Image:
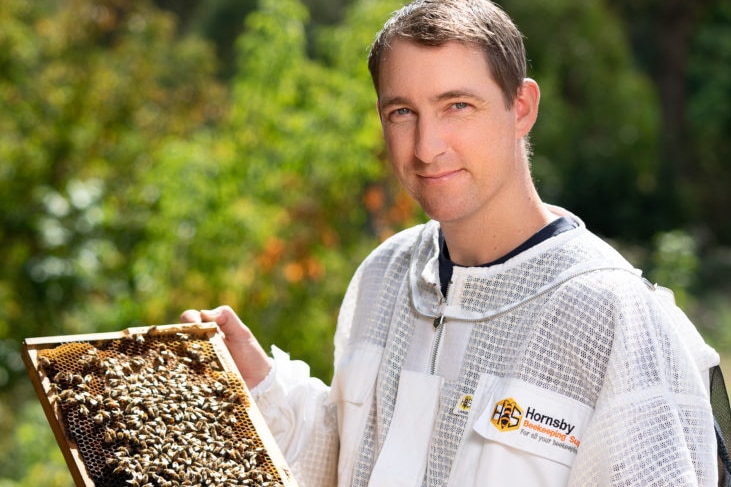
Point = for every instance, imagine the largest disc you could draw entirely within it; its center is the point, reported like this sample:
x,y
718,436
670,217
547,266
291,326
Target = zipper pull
x,y
438,321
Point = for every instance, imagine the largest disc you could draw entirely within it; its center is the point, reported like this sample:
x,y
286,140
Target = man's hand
x,y
250,357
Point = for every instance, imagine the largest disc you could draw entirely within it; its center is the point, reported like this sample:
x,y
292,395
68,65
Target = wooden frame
x,y
208,331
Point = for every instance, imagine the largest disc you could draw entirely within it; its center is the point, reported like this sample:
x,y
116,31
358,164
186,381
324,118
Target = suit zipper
x,y
436,344
438,334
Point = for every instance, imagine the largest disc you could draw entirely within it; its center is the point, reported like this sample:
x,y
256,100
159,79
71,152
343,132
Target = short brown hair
x,y
478,22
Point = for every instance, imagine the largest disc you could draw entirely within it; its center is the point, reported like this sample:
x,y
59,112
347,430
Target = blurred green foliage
x,y
158,156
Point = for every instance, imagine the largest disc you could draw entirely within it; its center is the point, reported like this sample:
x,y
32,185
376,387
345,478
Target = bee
x,y
138,362
44,361
233,397
62,377
65,394
109,435
171,473
90,359
101,417
111,403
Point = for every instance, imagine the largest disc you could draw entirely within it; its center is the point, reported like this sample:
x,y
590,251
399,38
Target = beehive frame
x,y
112,398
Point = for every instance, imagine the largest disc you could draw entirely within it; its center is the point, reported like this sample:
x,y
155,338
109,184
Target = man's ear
x,y
526,106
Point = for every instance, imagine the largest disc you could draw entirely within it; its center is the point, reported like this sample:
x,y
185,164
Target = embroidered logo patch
x,y
463,404
529,418
507,415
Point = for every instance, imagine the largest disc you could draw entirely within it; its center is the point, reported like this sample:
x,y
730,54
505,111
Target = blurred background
x,y
172,154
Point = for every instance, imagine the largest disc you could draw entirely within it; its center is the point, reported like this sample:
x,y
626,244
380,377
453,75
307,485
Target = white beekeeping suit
x,y
560,366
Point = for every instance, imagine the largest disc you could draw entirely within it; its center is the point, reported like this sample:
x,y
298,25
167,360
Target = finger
x,y
190,316
214,316
221,315
228,322
226,316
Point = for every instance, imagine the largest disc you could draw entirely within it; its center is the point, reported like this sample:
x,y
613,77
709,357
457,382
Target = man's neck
x,y
488,237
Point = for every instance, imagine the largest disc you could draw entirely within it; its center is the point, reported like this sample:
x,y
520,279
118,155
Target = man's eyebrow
x,y
447,95
457,94
394,100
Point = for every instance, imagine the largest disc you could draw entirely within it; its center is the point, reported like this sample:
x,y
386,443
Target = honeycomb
x,y
156,410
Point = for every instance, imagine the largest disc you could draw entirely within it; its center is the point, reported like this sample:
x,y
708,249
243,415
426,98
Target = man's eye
x,y
399,114
460,105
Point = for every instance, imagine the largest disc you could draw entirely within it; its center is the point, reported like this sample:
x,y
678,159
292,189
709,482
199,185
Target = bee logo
x,y
507,415
464,404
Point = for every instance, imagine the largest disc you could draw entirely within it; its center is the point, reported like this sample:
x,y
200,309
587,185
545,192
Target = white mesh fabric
x,y
651,422
302,420
377,318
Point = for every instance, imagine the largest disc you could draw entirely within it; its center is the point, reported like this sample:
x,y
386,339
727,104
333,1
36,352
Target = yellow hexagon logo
x,y
507,415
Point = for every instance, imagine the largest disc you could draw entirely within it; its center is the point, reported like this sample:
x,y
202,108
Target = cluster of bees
x,y
156,412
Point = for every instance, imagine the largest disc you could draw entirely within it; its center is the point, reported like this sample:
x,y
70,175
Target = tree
x,y
88,90
683,46
709,121
596,139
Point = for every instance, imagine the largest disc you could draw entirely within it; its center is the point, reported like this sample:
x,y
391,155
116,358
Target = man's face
x,y
453,144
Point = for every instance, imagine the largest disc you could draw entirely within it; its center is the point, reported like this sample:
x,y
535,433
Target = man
x,y
501,343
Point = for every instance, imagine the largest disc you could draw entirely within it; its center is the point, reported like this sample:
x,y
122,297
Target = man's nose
x,y
430,140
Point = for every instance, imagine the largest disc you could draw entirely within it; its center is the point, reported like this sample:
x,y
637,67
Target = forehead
x,y
407,65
